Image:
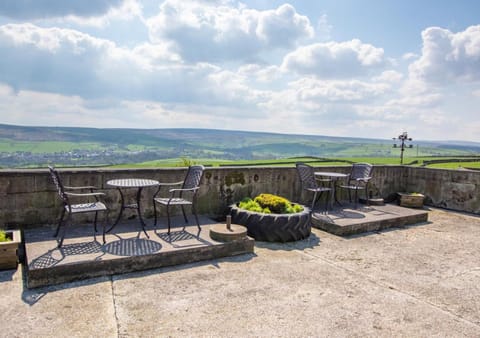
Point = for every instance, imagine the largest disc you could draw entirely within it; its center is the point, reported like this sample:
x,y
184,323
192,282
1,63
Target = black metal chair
x,y
88,206
306,174
186,195
358,179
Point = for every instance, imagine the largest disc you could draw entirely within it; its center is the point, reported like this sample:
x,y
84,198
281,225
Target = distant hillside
x,y
25,146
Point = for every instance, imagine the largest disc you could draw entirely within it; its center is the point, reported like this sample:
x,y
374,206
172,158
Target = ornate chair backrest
x,y
58,184
307,176
361,170
193,177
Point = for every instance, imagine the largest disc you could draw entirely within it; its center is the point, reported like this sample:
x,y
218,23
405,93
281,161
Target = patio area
x,y
127,249
418,280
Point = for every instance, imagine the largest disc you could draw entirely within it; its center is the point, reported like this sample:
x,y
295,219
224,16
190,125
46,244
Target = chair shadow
x,y
358,213
7,275
182,235
55,256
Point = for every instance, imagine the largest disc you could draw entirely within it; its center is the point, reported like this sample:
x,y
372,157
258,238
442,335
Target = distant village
x,y
85,157
22,159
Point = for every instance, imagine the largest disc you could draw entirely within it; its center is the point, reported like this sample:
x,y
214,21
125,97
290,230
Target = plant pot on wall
x,y
411,200
9,250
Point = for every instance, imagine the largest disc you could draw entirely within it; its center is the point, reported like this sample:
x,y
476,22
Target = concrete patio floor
x,y
417,281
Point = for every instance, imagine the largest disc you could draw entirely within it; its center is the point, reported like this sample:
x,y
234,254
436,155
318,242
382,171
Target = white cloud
x,y
210,31
43,9
51,59
125,11
335,59
324,29
448,56
222,64
73,63
67,110
390,76
409,56
337,91
269,78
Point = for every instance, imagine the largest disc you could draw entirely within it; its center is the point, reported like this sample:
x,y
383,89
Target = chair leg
x,y
168,217
314,199
350,195
95,221
103,234
366,194
319,197
155,213
327,200
67,221
194,211
184,214
356,198
60,222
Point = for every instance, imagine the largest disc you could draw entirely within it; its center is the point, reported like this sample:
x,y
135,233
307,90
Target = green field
x,y
456,165
33,147
289,162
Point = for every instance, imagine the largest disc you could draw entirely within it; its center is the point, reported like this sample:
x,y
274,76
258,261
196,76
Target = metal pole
x,y
401,151
403,138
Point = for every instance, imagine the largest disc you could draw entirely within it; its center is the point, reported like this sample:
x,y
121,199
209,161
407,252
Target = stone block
x,y
21,184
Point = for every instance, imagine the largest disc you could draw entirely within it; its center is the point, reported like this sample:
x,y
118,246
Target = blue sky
x,y
340,68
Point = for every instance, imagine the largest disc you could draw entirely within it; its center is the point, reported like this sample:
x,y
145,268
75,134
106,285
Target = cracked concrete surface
x,y
417,281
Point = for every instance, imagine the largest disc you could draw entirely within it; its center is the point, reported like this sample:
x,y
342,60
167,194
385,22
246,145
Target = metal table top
x,y
330,174
132,183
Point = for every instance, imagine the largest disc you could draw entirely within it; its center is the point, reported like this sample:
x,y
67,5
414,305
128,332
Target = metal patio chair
x,y
90,204
186,195
358,179
306,174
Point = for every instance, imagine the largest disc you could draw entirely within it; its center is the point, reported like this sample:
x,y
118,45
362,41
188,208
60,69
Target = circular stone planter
x,y
273,227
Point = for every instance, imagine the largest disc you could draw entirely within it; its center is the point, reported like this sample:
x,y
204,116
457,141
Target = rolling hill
x,y
36,146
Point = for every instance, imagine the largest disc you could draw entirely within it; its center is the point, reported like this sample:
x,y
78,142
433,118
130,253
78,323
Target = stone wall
x,y
28,197
450,189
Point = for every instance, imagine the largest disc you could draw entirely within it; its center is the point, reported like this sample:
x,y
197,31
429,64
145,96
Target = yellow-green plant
x,y
268,203
3,236
185,162
251,205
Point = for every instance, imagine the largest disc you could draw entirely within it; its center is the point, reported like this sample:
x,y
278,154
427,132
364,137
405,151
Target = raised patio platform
x,y
346,220
127,249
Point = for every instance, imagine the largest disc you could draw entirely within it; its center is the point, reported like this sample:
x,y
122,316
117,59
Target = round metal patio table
x,y
334,177
137,183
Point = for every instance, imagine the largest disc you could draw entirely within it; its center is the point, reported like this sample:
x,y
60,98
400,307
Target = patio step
x,y
346,220
127,249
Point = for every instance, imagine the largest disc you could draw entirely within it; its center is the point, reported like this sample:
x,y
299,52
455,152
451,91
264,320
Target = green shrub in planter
x,y
268,204
4,237
272,218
